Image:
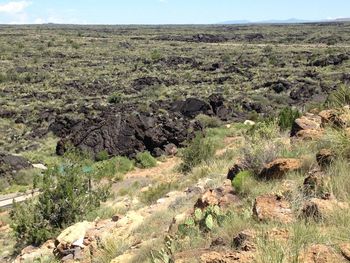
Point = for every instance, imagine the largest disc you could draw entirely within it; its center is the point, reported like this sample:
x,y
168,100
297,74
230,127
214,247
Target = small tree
x,y
66,196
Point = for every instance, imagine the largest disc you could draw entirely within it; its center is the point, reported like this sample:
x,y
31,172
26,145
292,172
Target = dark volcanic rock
x,y
191,107
127,134
330,60
144,82
10,163
63,125
279,85
141,83
303,93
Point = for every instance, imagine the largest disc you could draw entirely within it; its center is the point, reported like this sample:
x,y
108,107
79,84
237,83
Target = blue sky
x,y
166,11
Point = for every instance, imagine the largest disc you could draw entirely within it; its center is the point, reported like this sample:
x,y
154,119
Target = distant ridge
x,y
286,21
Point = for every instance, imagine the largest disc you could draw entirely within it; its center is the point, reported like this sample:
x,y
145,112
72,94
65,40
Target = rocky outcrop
x,y
309,122
273,208
127,134
325,157
279,167
10,164
191,107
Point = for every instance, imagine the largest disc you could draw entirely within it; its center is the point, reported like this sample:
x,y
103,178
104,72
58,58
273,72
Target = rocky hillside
x,y
265,193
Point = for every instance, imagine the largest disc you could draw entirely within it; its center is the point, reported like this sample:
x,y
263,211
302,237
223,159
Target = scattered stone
x,y
314,182
309,135
244,241
217,242
325,157
227,257
249,122
273,208
234,170
222,196
116,218
334,117
307,122
317,208
31,253
170,149
39,166
279,167
319,253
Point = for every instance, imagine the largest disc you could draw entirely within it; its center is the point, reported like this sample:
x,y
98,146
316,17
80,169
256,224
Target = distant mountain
x,y
287,21
343,19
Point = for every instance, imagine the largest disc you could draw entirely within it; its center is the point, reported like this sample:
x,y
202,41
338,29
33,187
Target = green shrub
x,y
287,117
208,121
124,164
240,180
66,197
156,192
146,160
102,156
199,150
264,130
339,97
156,55
115,98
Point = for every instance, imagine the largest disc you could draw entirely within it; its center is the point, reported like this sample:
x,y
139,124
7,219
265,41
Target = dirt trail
x,y
163,168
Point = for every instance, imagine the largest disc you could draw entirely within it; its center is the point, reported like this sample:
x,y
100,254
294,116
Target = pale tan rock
x,y
279,167
319,254
318,208
273,208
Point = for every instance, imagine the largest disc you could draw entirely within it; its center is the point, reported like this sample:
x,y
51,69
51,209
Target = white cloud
x,y
14,7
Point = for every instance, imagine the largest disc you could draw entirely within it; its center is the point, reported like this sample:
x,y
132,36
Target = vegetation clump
x,y
199,150
66,196
146,160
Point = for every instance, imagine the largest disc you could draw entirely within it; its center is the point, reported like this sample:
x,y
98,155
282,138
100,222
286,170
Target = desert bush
x,y
338,140
287,117
66,197
208,121
256,155
156,55
156,192
199,150
241,179
264,130
115,98
146,160
102,156
339,97
115,167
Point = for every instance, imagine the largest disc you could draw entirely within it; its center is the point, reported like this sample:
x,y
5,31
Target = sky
x,y
166,11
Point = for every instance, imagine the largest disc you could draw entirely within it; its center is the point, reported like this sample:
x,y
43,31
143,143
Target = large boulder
x,y
273,208
192,107
128,134
320,208
308,122
279,167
